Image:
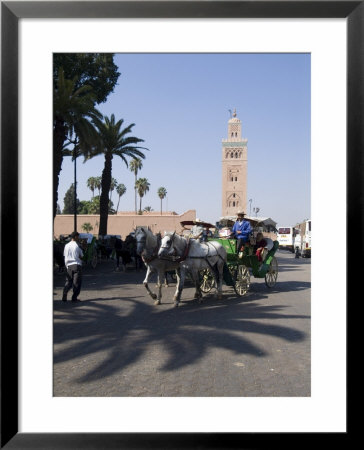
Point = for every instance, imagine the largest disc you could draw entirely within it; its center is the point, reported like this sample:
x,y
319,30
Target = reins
x,y
186,251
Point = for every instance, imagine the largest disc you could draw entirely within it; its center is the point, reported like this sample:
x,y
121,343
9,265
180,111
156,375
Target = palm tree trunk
x,y
104,199
75,195
59,134
135,189
161,206
117,208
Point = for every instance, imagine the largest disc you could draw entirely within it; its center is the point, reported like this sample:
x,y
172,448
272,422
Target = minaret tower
x,y
234,169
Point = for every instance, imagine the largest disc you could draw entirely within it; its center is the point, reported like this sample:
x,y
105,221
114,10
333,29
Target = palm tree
x,y
115,142
120,190
87,227
98,184
91,184
73,113
148,209
135,165
142,186
113,185
162,192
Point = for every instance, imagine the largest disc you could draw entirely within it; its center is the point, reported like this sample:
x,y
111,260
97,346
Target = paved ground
x,y
117,343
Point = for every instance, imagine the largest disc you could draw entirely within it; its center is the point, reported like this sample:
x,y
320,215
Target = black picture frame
x,y
11,12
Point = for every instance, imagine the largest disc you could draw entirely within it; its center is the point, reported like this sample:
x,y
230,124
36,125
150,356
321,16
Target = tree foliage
x,y
120,190
80,81
113,185
91,184
87,227
135,165
93,206
142,186
98,184
96,70
69,201
162,192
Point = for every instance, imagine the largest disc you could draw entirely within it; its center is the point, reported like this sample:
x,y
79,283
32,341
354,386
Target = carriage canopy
x,y
192,222
262,223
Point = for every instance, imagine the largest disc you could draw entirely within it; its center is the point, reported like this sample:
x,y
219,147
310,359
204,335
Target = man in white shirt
x,y
73,260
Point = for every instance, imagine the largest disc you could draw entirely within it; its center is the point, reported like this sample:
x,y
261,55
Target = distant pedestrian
x,y
73,255
297,252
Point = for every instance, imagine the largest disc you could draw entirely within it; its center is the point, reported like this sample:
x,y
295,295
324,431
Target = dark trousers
x,y
73,280
240,243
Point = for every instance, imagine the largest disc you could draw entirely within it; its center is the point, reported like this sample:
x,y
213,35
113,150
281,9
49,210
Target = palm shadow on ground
x,y
186,333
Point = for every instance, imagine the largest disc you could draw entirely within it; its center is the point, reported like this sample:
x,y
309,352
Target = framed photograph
x,y
333,33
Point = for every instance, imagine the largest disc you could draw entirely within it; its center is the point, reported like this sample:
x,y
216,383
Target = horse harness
x,y
184,256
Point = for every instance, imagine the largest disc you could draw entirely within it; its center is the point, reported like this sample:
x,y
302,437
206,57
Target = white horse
x,y
147,247
194,256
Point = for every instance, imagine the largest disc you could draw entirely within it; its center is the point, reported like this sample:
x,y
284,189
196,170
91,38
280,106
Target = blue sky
x,y
180,106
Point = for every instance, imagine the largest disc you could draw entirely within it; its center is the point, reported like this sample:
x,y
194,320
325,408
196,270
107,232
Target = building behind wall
x,y
234,169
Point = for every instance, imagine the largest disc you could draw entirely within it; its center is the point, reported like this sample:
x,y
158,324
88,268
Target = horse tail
x,y
222,254
217,273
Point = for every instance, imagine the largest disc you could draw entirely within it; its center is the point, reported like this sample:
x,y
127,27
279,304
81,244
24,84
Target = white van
x,y
286,238
303,239
306,244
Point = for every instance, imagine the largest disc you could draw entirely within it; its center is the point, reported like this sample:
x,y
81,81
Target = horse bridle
x,y
170,244
143,241
174,254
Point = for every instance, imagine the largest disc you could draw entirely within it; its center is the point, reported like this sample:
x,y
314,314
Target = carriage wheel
x,y
272,274
94,259
207,282
242,280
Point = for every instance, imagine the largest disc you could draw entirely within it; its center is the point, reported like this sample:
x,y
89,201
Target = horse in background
x,y
194,256
147,246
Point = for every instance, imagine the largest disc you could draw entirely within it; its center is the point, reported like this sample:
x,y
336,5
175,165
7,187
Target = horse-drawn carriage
x,y
236,271
206,263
